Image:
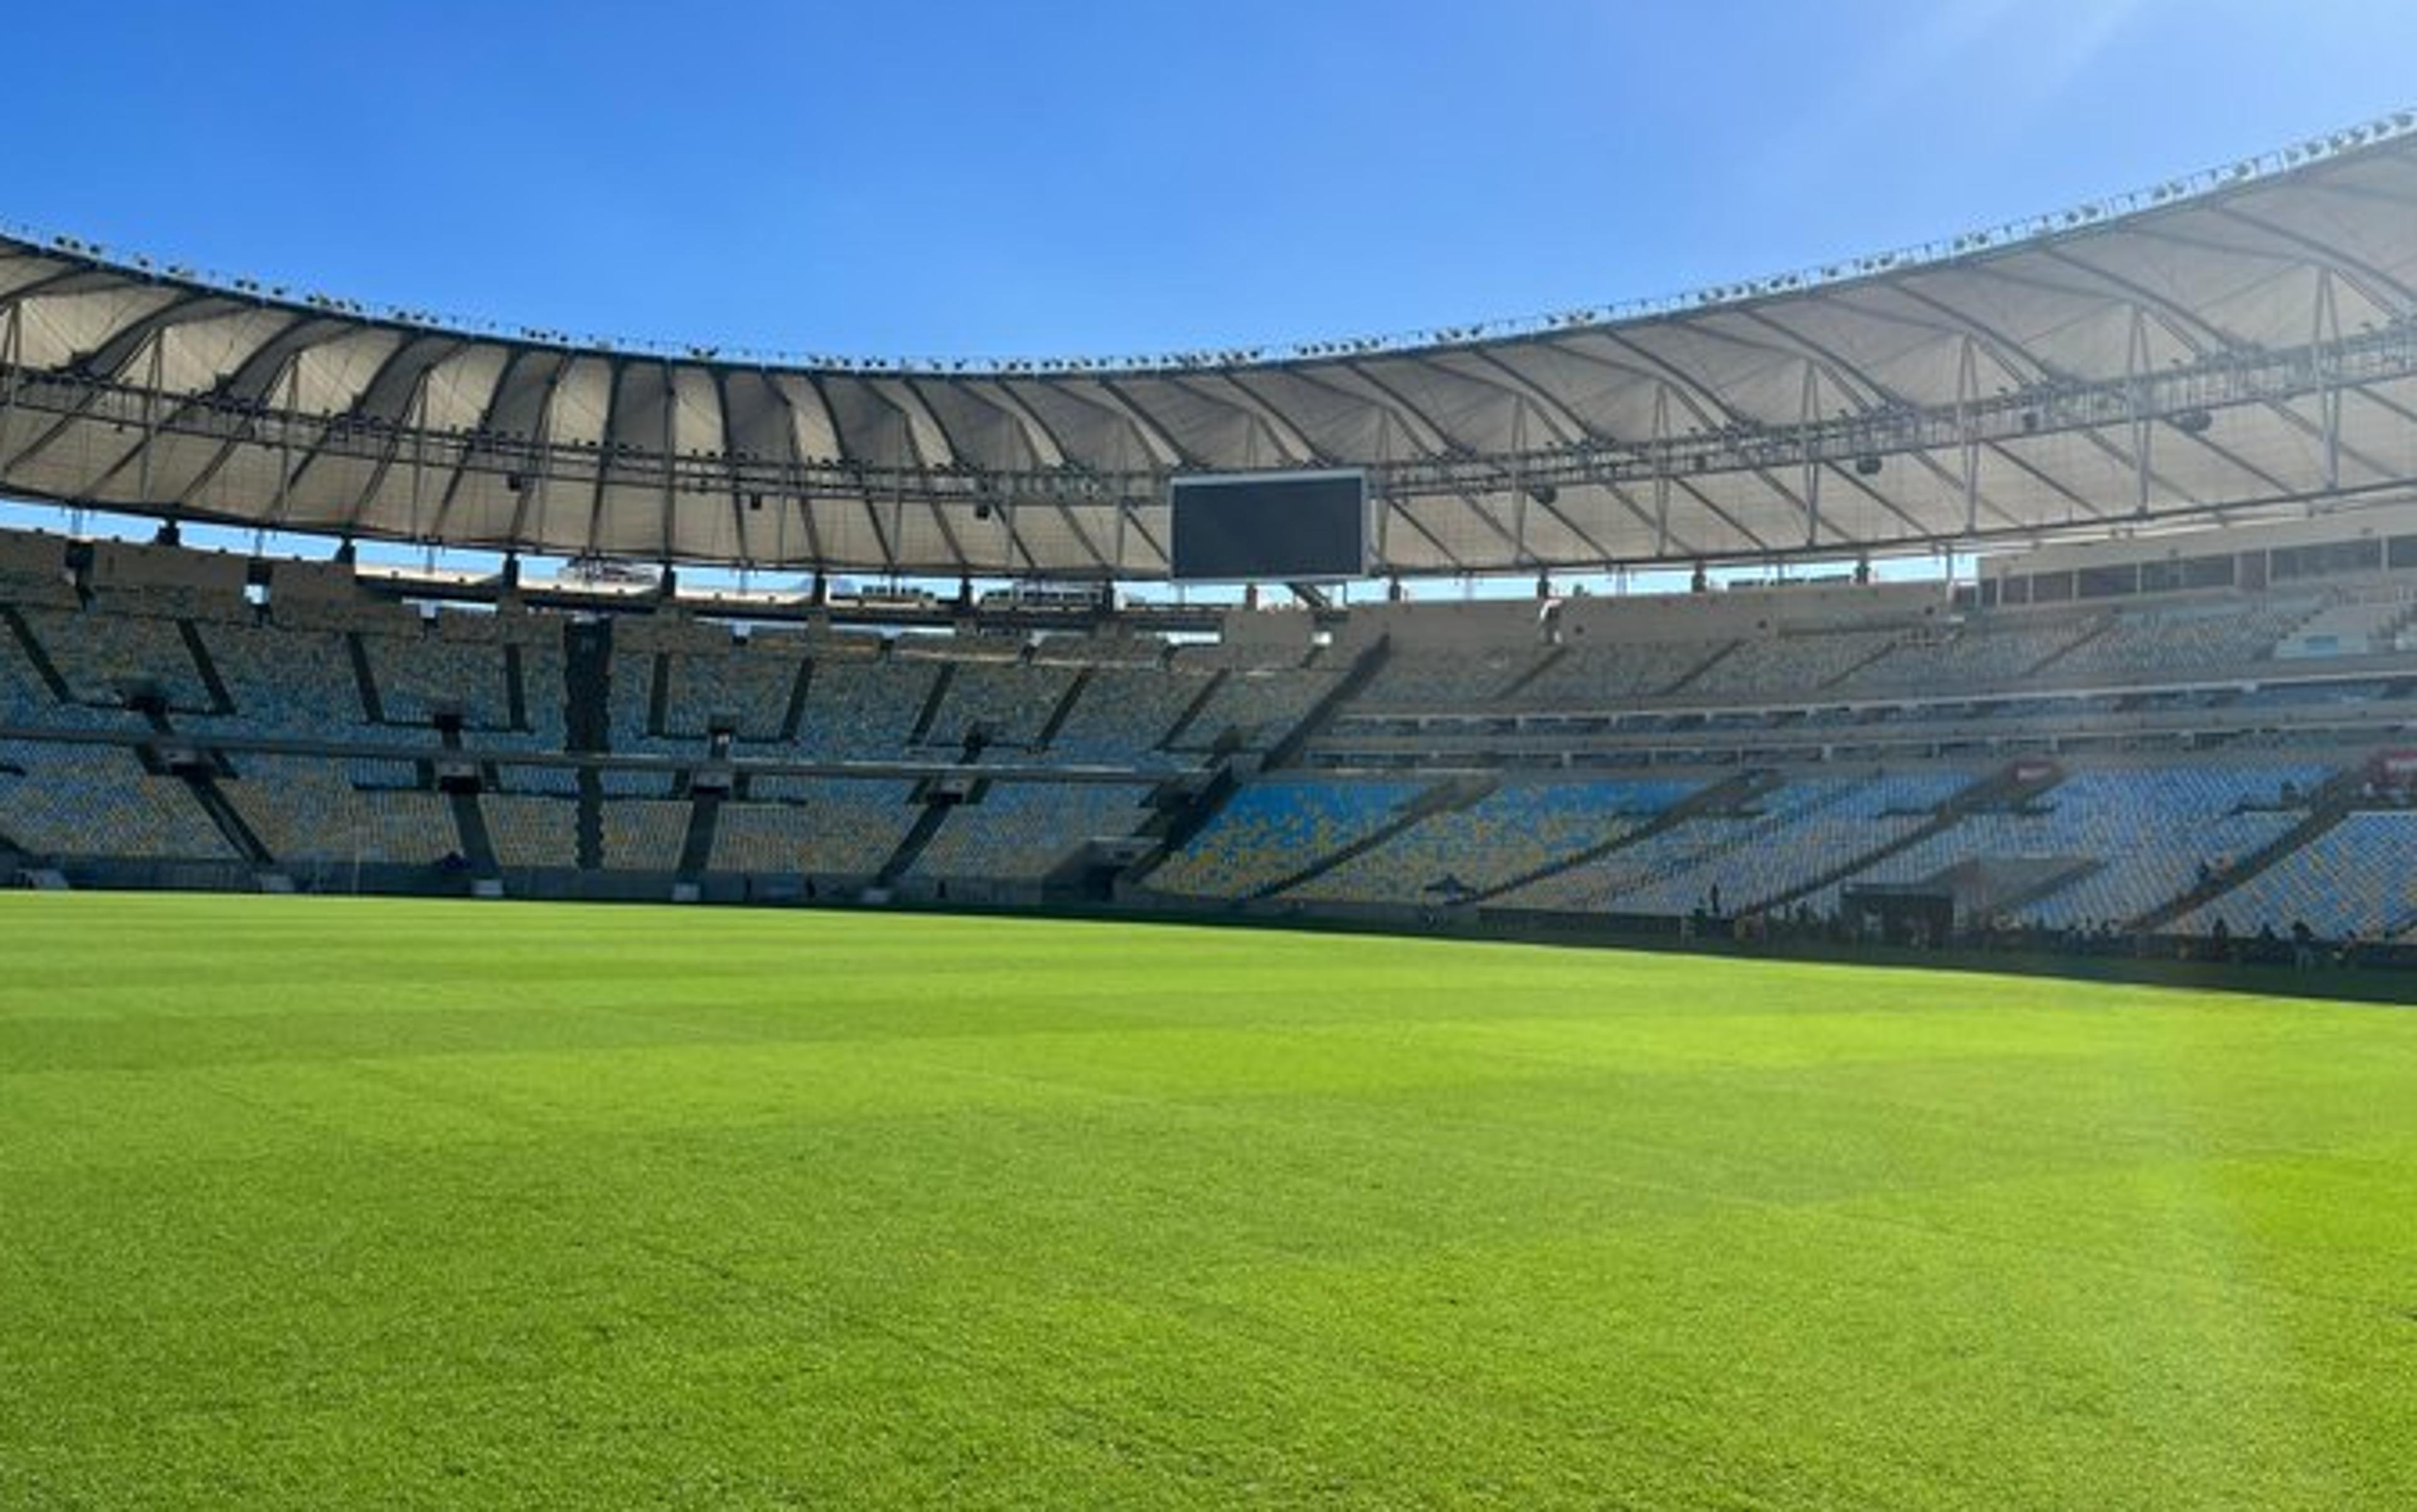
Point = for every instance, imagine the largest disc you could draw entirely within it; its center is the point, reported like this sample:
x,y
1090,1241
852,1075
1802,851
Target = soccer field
x,y
329,1203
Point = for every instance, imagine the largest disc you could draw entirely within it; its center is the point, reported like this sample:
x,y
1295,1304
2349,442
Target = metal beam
x,y
281,350
359,412
417,431
501,385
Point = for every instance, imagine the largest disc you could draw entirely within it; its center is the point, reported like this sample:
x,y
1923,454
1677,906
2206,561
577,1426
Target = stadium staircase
x,y
1858,667
1353,682
2004,788
207,667
1184,811
2104,625
696,847
659,695
1443,798
1727,650
1721,798
589,833
587,677
202,781
794,714
587,720
1537,668
1184,805
930,714
38,659
910,849
2329,804
1065,710
357,652
230,823
937,805
478,846
1192,711
1759,829
516,703
2042,878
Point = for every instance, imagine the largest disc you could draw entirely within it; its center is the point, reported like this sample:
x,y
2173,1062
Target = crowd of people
x,y
2294,944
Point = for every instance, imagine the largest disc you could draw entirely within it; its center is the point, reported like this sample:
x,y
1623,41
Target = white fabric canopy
x,y
2239,345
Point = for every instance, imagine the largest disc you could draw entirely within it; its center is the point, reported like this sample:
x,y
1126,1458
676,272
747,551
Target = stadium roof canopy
x,y
2238,343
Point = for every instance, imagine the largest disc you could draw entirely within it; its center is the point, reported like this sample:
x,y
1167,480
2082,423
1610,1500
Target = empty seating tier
x,y
308,812
96,800
2356,880
1645,760
1275,827
828,828
1021,832
1517,829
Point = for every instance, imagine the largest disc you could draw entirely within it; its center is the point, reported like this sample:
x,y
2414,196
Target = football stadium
x,y
1794,895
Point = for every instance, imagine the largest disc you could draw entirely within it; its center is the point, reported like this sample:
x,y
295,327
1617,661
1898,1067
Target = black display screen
x,y
1273,527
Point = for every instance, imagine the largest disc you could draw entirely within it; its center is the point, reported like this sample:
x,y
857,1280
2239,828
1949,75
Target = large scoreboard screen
x,y
1270,527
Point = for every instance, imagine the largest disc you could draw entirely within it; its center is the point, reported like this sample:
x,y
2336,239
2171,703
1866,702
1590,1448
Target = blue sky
x,y
1096,178
1107,176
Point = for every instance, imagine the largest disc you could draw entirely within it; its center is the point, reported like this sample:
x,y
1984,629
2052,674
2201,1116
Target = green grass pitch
x,y
333,1204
